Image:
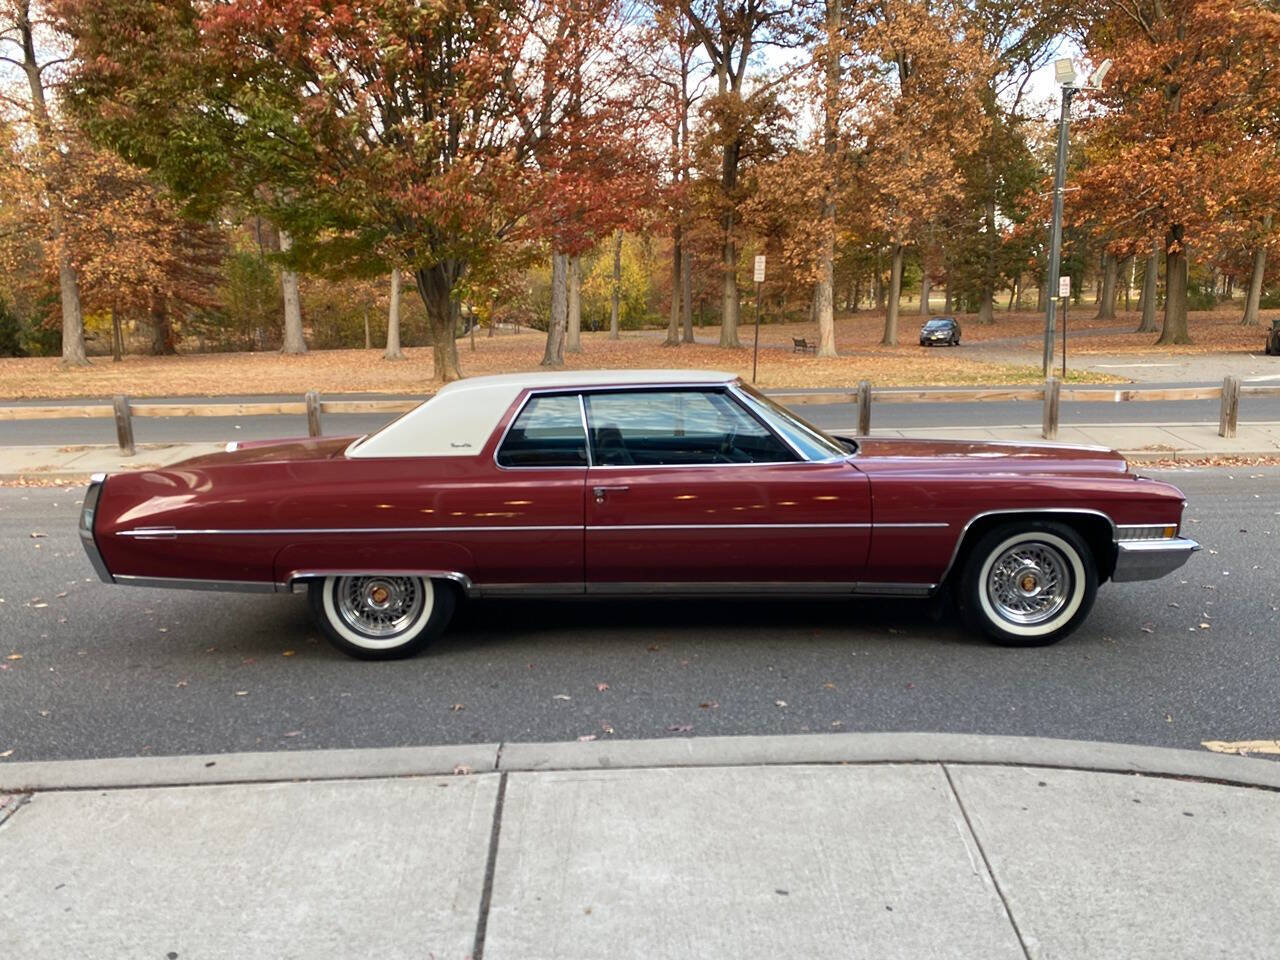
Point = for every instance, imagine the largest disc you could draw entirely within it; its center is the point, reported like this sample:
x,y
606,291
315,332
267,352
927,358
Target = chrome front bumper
x,y
86,528
1151,559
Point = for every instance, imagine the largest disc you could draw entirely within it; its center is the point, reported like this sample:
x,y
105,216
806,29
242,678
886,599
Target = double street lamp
x,y
1065,74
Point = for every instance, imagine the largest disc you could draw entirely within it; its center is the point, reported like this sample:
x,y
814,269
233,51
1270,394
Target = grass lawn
x,y
857,337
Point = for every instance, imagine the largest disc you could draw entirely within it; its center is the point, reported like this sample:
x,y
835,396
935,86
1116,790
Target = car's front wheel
x,y
1028,584
381,617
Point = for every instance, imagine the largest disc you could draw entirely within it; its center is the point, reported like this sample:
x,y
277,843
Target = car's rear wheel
x,y
381,617
1028,584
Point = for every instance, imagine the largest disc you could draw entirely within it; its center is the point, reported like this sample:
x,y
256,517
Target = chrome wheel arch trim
x,y
1030,513
300,578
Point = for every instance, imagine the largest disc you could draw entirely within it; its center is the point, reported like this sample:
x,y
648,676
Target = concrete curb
x,y
827,748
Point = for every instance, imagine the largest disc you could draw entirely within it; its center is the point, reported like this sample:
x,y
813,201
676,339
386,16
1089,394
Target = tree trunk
x,y
73,353
163,342
729,290
686,293
1175,292
1017,293
573,341
1107,292
117,336
857,295
1150,280
553,356
1254,295
1128,269
614,312
824,295
294,342
823,307
925,287
393,351
435,285
673,324
986,306
895,294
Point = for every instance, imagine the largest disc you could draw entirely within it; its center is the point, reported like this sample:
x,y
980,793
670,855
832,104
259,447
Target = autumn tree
x,y
374,132
588,111
730,33
922,81
1188,106
30,45
1017,39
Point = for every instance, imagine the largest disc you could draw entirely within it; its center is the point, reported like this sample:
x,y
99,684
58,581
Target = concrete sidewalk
x,y
875,846
1138,441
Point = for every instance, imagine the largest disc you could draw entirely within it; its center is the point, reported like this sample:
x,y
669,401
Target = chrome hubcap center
x,y
1029,583
379,606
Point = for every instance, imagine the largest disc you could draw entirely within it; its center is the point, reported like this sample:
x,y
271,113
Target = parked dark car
x,y
940,330
1273,338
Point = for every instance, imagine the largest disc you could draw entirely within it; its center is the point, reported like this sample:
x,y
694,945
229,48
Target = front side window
x,y
546,433
678,427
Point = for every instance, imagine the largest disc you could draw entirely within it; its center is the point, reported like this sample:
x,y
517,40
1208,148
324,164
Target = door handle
x,y
602,492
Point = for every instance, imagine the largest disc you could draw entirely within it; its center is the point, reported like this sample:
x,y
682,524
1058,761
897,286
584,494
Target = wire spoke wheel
x,y
1029,583
379,607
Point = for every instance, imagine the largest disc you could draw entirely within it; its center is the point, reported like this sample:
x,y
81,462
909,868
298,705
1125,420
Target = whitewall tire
x,y
1028,584
381,616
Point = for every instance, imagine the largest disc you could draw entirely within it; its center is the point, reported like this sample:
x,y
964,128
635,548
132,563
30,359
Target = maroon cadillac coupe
x,y
634,482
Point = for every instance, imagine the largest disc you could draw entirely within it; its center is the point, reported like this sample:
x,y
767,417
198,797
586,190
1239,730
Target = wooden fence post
x,y
1052,399
864,408
1230,411
124,425
313,413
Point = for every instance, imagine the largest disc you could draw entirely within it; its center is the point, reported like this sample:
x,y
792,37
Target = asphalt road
x,y
118,671
885,414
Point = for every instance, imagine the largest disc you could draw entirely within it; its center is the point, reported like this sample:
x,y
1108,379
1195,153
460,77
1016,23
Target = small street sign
x,y
1064,287
760,269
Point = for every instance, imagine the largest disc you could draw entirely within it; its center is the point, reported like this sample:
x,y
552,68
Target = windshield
x,y
937,324
814,443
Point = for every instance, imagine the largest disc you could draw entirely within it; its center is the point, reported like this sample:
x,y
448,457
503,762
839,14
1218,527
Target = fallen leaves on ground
x,y
1242,747
348,371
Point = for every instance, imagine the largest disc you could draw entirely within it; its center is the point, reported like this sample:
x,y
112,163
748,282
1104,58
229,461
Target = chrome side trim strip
x,y
179,583
1028,512
296,578
728,526
167,533
87,539
773,588
571,589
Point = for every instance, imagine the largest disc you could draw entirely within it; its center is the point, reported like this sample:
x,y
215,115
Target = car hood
x,y
272,451
969,456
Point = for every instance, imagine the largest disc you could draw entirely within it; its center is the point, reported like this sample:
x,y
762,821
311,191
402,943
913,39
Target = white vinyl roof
x,y
458,420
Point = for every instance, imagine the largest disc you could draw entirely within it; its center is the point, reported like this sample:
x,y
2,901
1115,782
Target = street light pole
x,y
1055,231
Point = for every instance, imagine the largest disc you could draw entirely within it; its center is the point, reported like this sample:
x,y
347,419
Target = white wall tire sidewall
x,y
1065,615
406,636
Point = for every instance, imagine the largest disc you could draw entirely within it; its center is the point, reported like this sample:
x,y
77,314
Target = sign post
x,y
1064,293
759,279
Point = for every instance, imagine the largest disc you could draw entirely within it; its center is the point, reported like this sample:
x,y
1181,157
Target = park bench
x,y
801,345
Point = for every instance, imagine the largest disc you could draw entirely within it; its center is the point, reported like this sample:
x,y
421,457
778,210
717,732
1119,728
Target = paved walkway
x,y
1137,441
866,846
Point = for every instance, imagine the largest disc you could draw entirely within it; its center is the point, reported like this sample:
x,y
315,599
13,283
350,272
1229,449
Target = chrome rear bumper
x,y
1151,559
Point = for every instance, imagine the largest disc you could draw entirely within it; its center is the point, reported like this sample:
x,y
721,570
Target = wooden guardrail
x,y
1051,395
